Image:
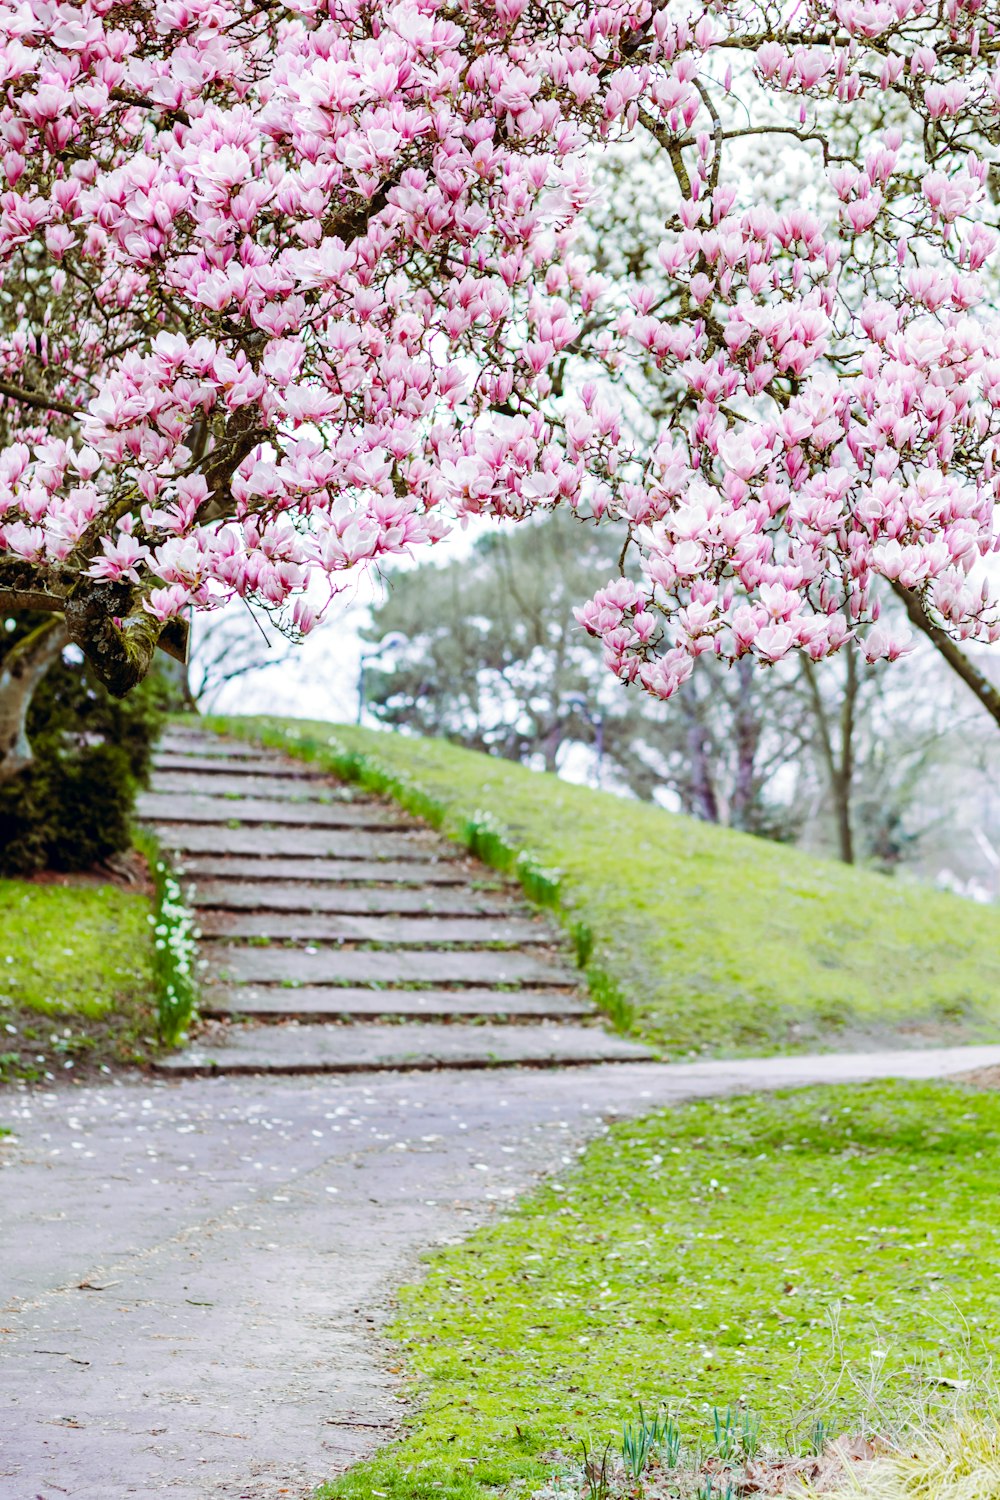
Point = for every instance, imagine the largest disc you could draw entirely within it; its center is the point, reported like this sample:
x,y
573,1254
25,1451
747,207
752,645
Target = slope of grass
x,y
829,1254
719,942
76,979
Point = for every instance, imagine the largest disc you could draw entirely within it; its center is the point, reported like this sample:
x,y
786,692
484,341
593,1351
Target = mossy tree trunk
x,y
21,670
116,634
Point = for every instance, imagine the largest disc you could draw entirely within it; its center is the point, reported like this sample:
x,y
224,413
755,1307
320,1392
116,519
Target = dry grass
x,y
955,1459
981,1078
952,1458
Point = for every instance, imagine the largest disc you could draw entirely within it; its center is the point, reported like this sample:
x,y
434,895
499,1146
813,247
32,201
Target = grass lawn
x,y
720,942
76,979
821,1255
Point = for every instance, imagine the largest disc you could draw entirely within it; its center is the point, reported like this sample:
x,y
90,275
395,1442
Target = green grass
x,y
700,1257
174,952
75,976
710,940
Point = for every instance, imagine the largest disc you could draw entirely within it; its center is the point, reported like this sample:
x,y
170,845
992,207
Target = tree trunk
x,y
747,736
840,771
703,798
21,670
178,679
843,782
549,744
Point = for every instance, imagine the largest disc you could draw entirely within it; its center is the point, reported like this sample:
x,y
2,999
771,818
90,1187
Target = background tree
x,y
494,657
486,651
227,646
841,755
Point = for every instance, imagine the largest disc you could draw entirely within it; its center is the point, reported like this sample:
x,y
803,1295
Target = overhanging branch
x,y
12,601
974,679
38,400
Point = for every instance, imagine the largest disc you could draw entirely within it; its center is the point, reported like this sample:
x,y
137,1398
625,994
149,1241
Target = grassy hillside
x,y
721,942
76,980
827,1256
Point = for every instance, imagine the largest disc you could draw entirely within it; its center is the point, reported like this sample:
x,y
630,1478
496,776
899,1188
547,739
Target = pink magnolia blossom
x,y
833,371
307,289
291,263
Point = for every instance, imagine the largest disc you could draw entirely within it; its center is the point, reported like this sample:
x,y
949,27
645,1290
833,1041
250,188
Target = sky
x,y
319,679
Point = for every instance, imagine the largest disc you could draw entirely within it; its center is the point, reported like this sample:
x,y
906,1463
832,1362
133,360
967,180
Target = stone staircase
x,y
339,934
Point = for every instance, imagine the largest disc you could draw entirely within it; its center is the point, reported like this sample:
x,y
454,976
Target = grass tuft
x,y
582,935
957,1461
952,1455
174,946
608,996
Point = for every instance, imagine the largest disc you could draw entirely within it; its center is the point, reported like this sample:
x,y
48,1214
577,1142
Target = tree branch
x,y
38,400
974,679
671,146
14,600
138,101
718,132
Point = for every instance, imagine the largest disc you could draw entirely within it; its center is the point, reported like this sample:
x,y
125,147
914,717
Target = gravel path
x,y
194,1271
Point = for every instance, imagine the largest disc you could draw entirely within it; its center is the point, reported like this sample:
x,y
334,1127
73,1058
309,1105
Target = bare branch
x,y
38,399
709,104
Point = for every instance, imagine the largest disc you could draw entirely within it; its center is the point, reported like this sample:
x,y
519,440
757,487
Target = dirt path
x,y
194,1271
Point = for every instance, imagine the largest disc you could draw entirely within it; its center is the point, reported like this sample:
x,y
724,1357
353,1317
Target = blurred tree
x,y
494,658
486,651
886,748
227,645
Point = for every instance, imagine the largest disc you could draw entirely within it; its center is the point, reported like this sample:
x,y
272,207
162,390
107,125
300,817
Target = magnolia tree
x,y
286,289
815,340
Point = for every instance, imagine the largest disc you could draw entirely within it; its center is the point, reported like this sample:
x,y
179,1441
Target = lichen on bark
x,y
118,643
21,670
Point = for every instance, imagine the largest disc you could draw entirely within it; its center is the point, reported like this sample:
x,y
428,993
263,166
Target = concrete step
x,y
304,843
403,966
293,1048
440,901
209,767
330,1003
182,742
391,929
181,807
340,935
453,871
228,783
